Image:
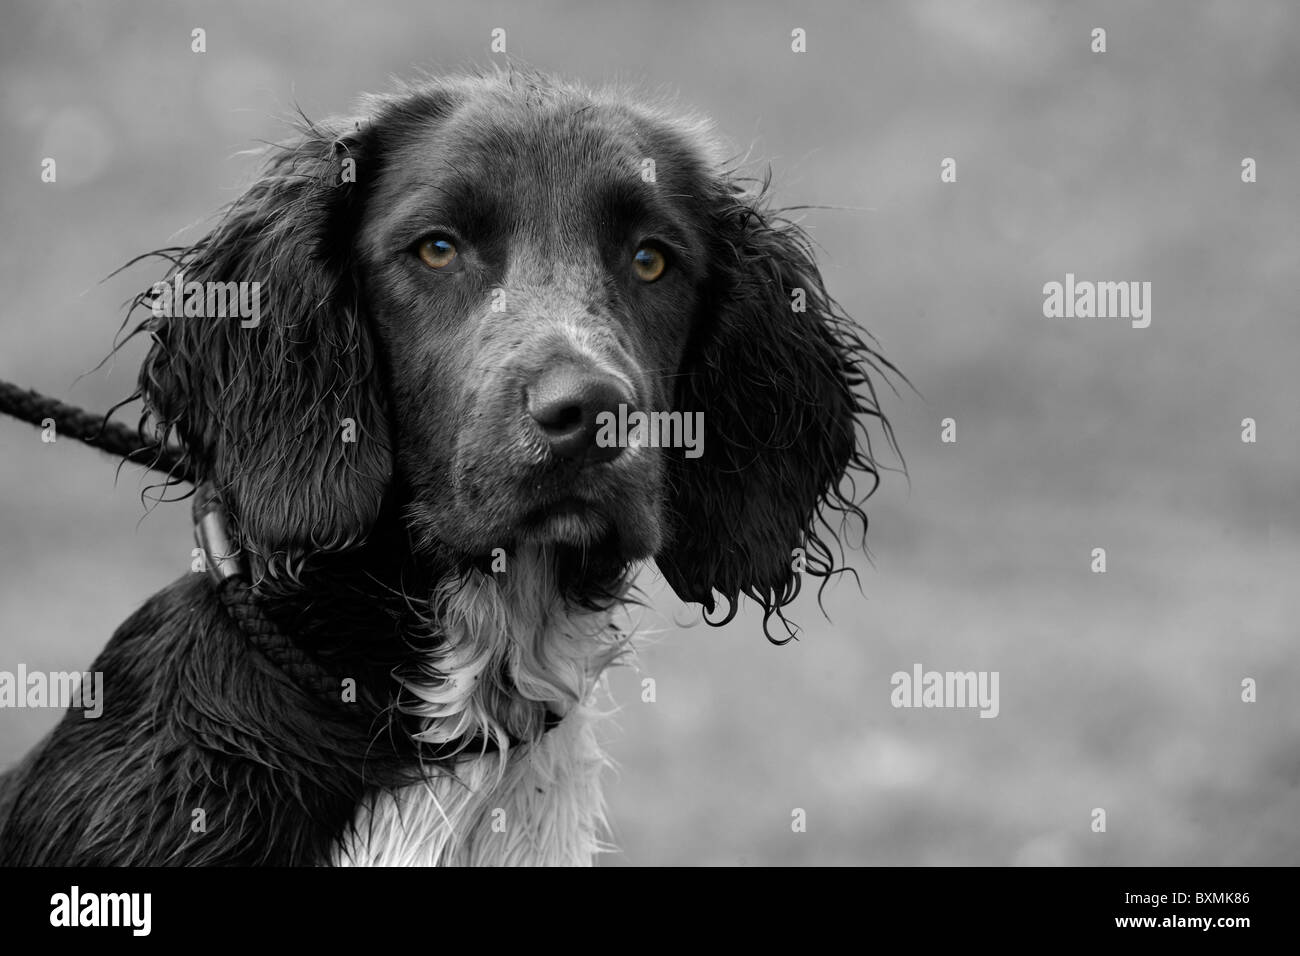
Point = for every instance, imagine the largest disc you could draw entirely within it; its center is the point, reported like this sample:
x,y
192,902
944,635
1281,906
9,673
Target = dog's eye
x,y
436,252
649,263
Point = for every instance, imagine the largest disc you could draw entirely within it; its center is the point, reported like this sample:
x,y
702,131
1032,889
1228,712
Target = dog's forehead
x,y
566,136
564,146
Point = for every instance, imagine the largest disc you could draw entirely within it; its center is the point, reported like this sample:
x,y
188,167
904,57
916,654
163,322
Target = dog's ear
x,y
781,376
279,405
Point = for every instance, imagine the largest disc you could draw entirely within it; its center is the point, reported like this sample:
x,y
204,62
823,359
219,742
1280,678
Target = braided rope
x,y
95,430
305,670
261,632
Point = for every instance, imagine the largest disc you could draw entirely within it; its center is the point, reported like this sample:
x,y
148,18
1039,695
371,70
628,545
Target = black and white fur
x,y
381,558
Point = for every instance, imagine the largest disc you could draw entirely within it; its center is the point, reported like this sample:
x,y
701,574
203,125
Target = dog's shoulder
x,y
192,757
57,810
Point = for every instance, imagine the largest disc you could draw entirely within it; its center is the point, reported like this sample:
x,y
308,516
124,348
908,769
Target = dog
x,y
427,474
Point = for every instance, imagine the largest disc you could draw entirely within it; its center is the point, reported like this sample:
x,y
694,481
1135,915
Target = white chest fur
x,y
511,645
544,810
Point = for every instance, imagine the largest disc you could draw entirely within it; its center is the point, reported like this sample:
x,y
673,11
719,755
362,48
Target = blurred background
x,y
1119,690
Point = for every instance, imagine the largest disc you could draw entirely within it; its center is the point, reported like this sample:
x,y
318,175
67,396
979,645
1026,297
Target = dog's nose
x,y
566,403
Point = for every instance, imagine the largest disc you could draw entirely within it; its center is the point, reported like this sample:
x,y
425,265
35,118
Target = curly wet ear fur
x,y
787,399
262,411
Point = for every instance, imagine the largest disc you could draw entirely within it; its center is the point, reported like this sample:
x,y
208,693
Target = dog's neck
x,y
458,648
464,654
505,649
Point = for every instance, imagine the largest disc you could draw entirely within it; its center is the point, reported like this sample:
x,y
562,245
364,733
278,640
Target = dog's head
x,y
532,314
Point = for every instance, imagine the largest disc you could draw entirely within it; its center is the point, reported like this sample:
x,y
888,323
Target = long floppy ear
x,y
280,405
782,378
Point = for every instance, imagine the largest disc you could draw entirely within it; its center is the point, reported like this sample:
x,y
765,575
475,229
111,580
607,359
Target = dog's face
x,y
463,288
526,276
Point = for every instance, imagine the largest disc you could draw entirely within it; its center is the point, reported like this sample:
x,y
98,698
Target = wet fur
x,y
543,805
360,552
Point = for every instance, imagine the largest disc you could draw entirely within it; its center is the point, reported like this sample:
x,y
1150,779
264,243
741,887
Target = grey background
x,y
1119,691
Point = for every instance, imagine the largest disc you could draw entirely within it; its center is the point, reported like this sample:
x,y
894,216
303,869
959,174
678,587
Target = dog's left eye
x,y
437,252
649,263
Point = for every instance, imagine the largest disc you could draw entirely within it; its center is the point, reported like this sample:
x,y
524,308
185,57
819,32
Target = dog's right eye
x,y
649,262
437,252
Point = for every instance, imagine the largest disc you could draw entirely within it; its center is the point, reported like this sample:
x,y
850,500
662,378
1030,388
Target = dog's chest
x,y
544,810
511,646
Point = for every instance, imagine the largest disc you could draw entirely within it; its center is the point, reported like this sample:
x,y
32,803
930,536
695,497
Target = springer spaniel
x,y
417,519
